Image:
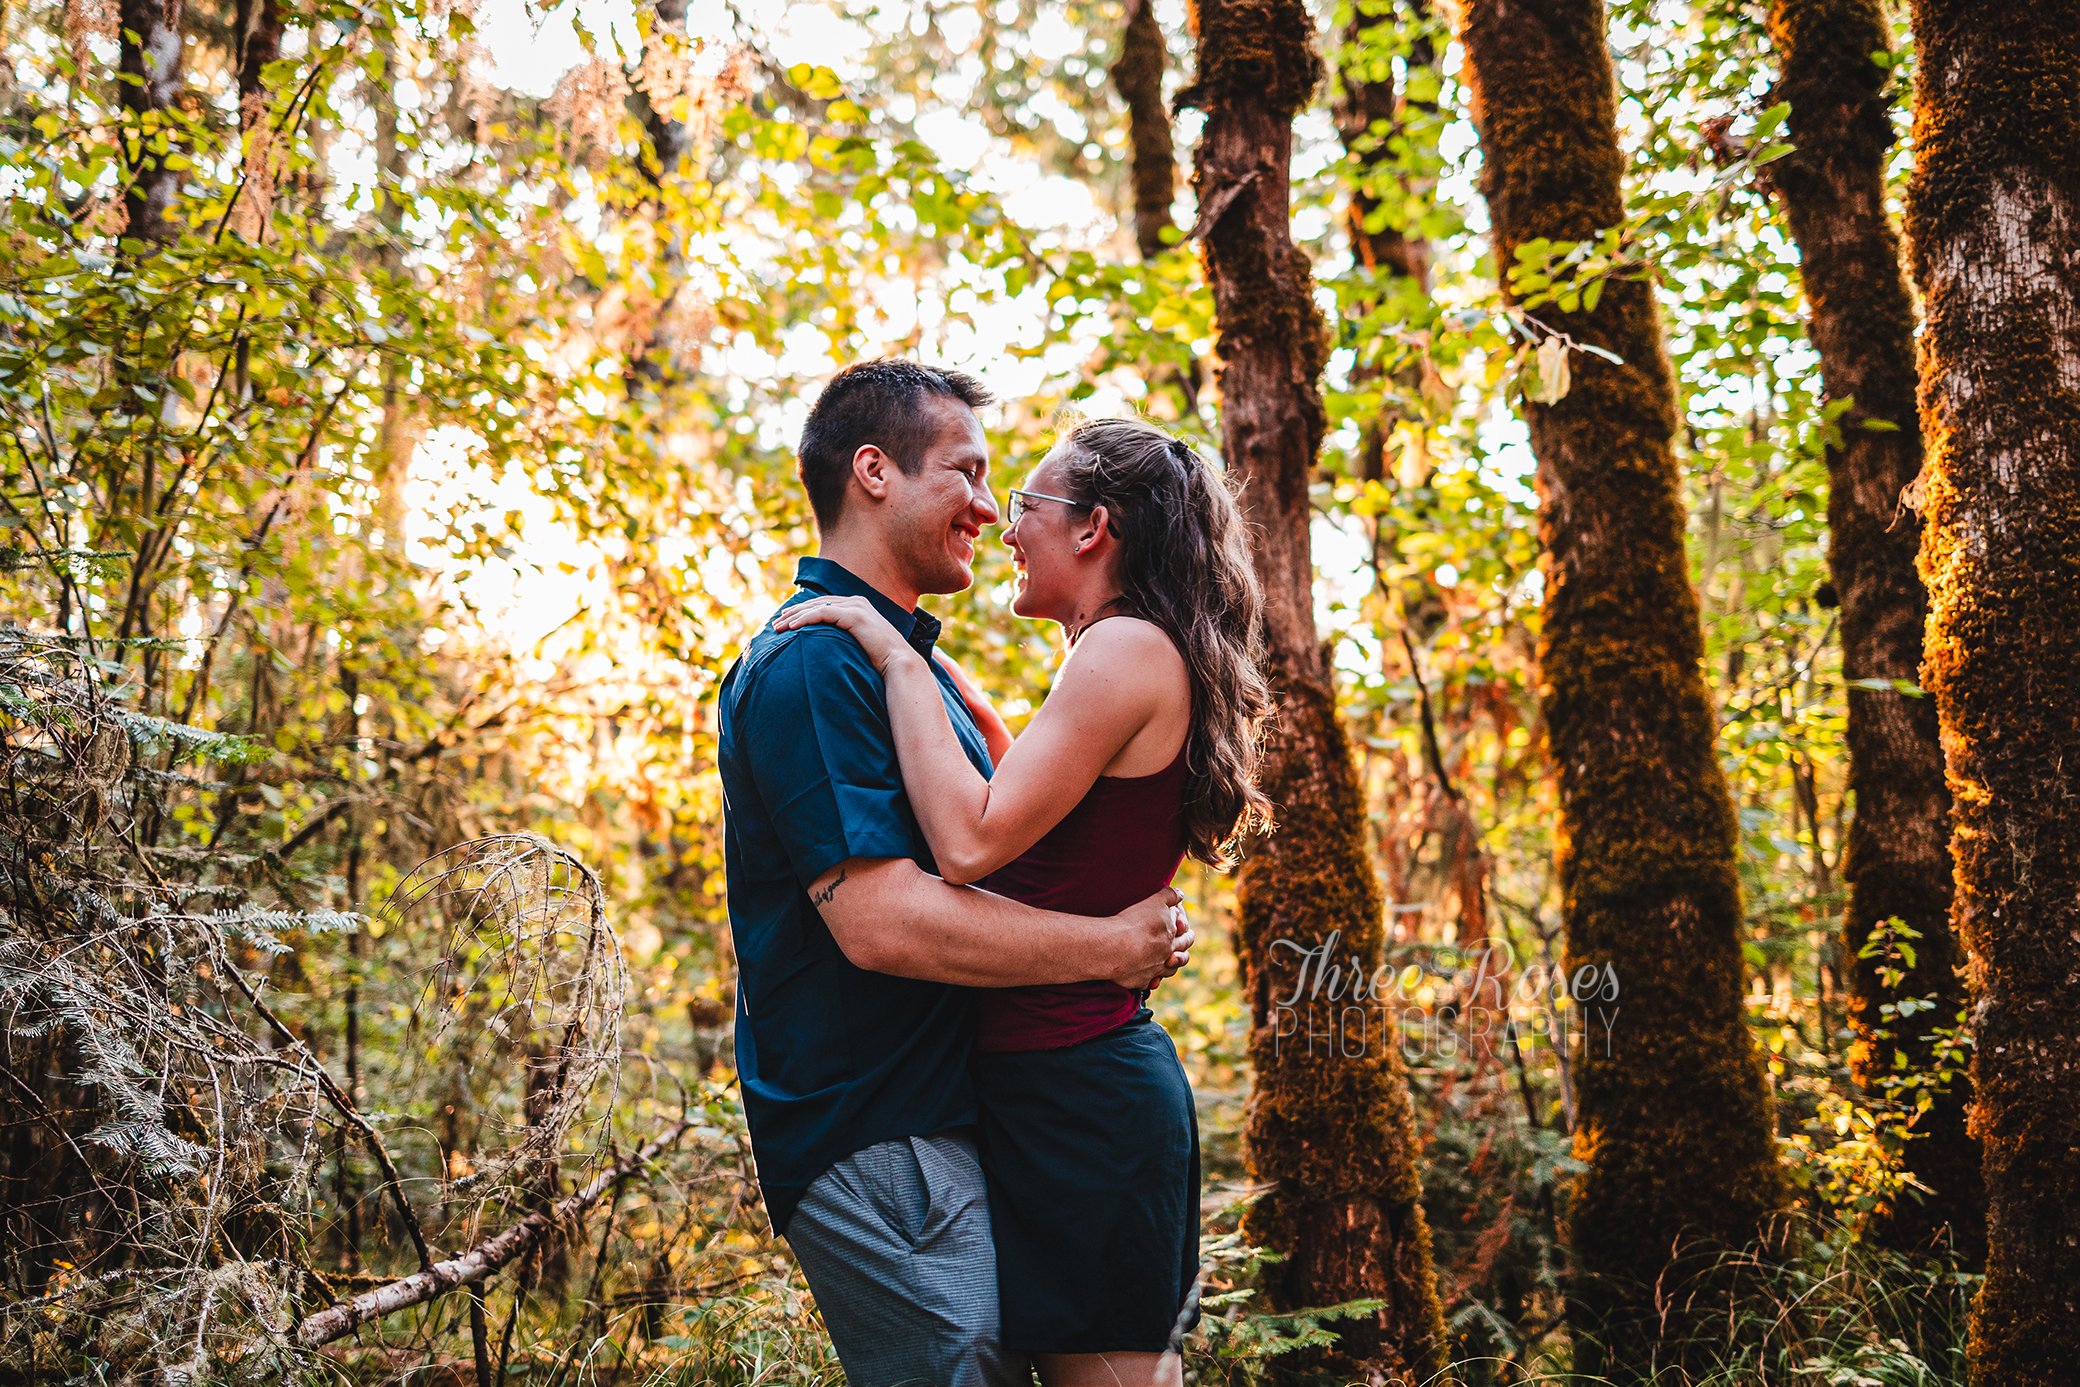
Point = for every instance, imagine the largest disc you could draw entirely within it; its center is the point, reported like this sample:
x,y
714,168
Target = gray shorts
x,y
895,1243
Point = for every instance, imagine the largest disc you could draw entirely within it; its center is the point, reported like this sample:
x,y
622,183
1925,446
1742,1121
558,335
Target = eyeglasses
x,y
1022,500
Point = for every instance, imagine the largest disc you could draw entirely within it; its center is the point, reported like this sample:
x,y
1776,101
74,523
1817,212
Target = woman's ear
x,y
1094,531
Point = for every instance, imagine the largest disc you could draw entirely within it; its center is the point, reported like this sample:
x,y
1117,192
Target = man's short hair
x,y
878,402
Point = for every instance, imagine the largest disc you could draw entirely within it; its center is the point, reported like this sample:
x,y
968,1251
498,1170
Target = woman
x,y
1143,752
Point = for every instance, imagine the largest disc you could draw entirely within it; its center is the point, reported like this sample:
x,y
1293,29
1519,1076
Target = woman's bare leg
x,y
1110,1369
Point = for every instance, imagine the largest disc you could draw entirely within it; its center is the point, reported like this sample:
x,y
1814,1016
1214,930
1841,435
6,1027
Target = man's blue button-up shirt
x,y
833,1058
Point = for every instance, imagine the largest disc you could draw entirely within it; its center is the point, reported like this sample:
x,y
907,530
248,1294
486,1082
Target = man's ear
x,y
870,468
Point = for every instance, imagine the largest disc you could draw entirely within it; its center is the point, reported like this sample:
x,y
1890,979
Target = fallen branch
x,y
336,1321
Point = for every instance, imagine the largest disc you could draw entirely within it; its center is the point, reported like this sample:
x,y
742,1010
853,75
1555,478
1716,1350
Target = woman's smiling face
x,y
1043,542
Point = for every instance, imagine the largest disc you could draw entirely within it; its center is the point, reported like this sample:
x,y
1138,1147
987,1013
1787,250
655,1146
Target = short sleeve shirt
x,y
832,1058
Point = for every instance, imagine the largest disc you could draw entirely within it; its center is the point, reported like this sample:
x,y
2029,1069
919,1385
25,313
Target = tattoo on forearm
x,y
823,897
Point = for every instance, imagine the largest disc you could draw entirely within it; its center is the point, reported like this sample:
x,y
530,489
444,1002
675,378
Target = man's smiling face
x,y
940,513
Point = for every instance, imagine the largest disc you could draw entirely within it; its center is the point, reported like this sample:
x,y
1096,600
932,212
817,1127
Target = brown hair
x,y
1185,566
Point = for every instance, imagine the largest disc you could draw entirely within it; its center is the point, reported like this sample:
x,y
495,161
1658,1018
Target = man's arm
x,y
987,720
891,916
824,766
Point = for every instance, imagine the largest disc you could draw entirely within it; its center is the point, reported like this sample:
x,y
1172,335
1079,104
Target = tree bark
x,y
397,431
1674,1122
668,138
1151,150
653,365
1370,116
1898,853
1330,1128
259,43
1993,219
153,58
259,39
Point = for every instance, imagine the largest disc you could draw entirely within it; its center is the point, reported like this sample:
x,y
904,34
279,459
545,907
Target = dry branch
x,y
338,1320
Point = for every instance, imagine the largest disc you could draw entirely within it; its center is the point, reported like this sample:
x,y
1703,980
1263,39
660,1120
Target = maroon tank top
x,y
1122,842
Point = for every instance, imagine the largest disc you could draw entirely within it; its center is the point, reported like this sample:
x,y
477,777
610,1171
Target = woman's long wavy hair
x,y
1185,565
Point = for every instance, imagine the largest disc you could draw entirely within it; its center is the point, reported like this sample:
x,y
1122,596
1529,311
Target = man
x,y
853,1016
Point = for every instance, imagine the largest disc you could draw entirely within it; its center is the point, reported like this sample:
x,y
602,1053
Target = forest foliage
x,y
375,533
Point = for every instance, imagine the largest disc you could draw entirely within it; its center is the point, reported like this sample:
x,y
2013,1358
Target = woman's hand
x,y
884,645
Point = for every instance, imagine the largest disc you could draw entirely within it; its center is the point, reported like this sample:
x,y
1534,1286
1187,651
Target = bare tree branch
x,y
469,1268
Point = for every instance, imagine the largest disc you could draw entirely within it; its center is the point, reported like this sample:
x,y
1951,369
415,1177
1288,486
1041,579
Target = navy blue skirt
x,y
1092,1159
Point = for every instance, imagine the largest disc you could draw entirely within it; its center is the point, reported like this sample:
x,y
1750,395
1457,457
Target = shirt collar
x,y
832,579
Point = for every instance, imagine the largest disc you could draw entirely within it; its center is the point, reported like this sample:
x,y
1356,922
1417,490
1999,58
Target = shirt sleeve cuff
x,y
814,862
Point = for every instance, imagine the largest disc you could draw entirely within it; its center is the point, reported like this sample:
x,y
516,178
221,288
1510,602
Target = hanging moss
x,y
1330,1129
1674,1123
1994,226
1898,853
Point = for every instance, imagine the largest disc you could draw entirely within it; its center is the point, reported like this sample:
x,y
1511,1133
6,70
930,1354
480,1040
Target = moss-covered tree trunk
x,y
1673,1120
1151,148
1898,861
1993,219
1330,1128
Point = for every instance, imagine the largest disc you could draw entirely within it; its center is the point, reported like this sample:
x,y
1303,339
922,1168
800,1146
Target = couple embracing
x,y
979,1145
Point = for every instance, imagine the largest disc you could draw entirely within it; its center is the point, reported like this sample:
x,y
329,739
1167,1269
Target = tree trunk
x,y
1151,151
669,138
652,363
397,432
153,59
1993,218
257,34
1370,116
1330,1128
1674,1122
1898,853
259,43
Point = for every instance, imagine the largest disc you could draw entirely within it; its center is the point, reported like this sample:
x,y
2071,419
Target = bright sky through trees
x,y
533,51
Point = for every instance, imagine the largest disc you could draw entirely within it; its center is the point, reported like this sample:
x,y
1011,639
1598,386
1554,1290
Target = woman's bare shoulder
x,y
1133,650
